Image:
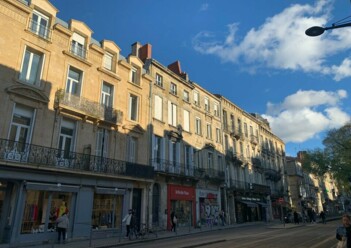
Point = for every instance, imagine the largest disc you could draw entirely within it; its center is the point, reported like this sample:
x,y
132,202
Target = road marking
x,y
322,242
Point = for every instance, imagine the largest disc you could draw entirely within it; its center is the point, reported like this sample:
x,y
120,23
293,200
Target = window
x,y
158,108
241,148
66,140
239,126
159,80
196,98
245,130
173,89
210,160
74,81
188,160
225,120
220,164
107,209
32,66
172,114
226,142
186,96
157,149
107,94
232,122
198,126
22,122
102,143
132,149
207,105
77,47
40,24
208,131
218,135
133,107
108,61
186,126
174,154
215,109
134,75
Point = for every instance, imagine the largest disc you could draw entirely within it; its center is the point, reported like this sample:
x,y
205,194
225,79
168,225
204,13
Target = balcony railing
x,y
235,158
46,157
260,189
238,185
88,107
40,30
171,167
272,174
237,133
78,50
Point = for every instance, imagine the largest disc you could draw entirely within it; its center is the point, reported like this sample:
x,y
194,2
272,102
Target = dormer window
x,y
77,45
173,89
108,61
159,80
39,24
134,75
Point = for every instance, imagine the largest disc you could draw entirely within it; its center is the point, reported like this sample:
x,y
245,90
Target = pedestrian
x,y
174,221
343,233
222,216
128,220
322,216
296,218
62,225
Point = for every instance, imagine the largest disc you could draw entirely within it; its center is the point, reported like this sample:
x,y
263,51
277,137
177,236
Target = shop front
x,y
208,207
181,200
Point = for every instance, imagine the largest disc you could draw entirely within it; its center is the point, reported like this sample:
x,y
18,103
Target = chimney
x,y
135,48
175,67
145,52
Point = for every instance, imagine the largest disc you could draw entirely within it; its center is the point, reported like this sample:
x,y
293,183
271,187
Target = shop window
x,y
41,210
107,211
183,211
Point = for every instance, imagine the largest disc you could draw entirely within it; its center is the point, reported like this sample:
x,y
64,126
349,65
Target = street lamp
x,y
317,30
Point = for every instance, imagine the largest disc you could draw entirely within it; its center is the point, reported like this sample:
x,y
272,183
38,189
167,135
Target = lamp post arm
x,y
338,26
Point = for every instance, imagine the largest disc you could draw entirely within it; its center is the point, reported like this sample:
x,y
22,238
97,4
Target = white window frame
x,y
186,96
28,66
78,45
216,109
132,149
133,107
102,142
198,126
134,75
71,82
39,27
207,104
108,61
107,97
70,125
159,80
173,88
196,98
208,131
186,119
218,135
172,114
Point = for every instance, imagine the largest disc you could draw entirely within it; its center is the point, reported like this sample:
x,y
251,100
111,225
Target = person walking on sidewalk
x,y
322,216
296,218
62,226
174,221
128,219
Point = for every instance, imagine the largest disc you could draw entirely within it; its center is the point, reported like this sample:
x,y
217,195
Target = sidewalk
x,y
117,241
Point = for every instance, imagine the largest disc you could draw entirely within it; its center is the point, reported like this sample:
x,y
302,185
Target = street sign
x,y
281,200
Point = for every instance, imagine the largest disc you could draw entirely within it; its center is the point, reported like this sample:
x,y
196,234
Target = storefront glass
x,y
107,210
42,209
183,211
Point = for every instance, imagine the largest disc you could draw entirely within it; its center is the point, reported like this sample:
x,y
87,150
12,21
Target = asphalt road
x,y
309,236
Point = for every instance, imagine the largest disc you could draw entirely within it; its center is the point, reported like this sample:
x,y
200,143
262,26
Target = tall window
x,y
133,107
245,130
107,94
225,120
66,140
241,148
215,109
232,122
186,125
172,114
239,126
40,24
159,80
220,164
132,149
157,149
31,66
77,47
173,89
218,135
158,108
186,96
174,153
134,78
22,121
198,126
196,98
226,142
188,160
210,160
207,105
108,61
102,143
74,81
208,131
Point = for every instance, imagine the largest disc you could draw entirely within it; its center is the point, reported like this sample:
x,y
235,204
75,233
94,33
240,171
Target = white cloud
x,y
280,42
303,115
204,7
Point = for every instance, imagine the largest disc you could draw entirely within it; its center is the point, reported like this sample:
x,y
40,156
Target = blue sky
x,y
254,52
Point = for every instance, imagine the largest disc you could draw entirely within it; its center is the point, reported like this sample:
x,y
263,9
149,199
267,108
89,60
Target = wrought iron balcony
x,y
237,133
78,50
272,174
233,157
260,189
40,30
41,157
238,185
171,167
87,107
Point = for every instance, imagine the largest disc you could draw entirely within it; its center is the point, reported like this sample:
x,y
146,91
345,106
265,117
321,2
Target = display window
x,y
107,211
41,210
183,211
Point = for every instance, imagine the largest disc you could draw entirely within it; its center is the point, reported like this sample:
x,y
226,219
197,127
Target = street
x,y
309,236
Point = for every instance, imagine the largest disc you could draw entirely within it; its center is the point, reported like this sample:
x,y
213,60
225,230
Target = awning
x,y
265,205
249,204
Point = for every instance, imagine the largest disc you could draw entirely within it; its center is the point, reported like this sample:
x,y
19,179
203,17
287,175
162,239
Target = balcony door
x,y
66,142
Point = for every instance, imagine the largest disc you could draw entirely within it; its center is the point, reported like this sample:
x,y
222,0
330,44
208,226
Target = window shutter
x,y
158,107
186,120
174,108
169,112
